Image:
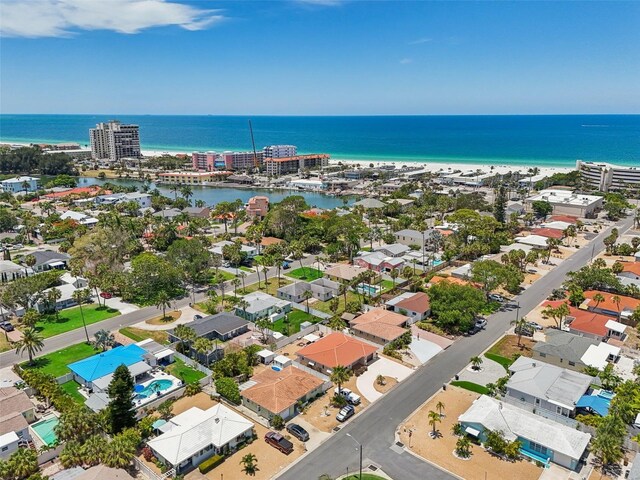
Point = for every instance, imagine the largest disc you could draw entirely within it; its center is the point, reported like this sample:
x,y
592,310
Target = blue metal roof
x,y
106,362
596,403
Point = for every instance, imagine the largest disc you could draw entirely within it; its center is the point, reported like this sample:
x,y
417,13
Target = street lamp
x,y
359,448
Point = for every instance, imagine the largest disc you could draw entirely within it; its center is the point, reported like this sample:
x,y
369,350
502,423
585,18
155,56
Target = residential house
x,y
630,270
574,352
222,326
322,288
257,207
10,271
546,386
16,413
80,218
19,184
344,273
416,306
195,435
48,260
217,248
413,237
393,249
198,212
336,349
168,213
97,472
262,305
380,326
620,311
66,299
548,233
378,262
370,203
274,392
542,439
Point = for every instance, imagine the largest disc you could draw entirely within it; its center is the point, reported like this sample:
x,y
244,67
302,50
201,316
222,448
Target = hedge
x,y
211,463
474,387
228,388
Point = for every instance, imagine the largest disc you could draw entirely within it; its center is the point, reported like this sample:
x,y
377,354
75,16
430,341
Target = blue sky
x,y
319,57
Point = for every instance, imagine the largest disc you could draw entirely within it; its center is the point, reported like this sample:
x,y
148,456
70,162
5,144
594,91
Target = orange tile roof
x,y
92,191
548,232
584,320
608,303
337,349
633,267
278,391
564,218
419,302
380,323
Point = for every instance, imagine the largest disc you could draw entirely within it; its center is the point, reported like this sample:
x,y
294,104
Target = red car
x,y
106,295
278,441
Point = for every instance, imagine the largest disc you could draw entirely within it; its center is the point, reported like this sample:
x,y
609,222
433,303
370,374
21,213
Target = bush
x,y
338,401
148,455
192,389
228,388
277,422
211,463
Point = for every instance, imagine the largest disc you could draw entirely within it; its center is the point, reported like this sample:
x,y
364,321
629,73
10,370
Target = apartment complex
x,y
565,202
606,176
242,160
280,151
282,166
114,141
205,161
192,178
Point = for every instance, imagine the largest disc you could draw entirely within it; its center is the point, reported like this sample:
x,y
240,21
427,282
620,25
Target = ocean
x,y
524,140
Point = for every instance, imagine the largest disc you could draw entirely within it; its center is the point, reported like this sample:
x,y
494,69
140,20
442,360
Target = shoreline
x,y
439,165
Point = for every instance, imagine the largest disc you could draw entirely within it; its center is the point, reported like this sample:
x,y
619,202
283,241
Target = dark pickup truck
x,y
278,441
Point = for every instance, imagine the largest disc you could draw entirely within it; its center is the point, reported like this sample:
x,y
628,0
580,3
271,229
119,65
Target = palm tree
x,y
475,362
93,450
202,345
616,299
249,464
53,295
242,276
463,447
80,296
343,289
29,261
440,407
120,452
104,339
306,296
520,325
71,455
31,343
394,275
186,193
185,334
340,375
434,418
236,283
337,324
598,298
163,301
242,305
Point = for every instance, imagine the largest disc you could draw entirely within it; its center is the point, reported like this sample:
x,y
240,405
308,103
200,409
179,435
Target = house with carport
x,y
414,305
336,349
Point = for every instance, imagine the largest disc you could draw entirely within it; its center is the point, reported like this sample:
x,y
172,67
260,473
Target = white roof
x,y
557,225
565,197
195,429
18,180
516,422
597,355
311,338
533,240
8,439
282,359
615,326
265,353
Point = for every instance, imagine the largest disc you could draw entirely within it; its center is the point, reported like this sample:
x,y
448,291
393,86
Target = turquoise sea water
x,y
543,140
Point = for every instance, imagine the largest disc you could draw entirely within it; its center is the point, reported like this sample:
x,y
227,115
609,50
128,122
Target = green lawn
x,y
70,319
138,334
474,387
224,274
55,363
296,317
184,372
324,306
386,285
71,388
271,290
305,273
504,361
246,269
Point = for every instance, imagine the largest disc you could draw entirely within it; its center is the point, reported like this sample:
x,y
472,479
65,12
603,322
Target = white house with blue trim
x,y
19,184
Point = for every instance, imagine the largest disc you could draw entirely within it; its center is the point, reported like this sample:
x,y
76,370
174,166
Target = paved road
x,y
375,427
76,336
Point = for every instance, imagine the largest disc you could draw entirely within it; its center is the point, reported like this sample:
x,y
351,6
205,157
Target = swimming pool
x,y
369,289
45,430
154,387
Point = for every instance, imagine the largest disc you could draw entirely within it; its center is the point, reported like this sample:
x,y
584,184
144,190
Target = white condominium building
x,y
605,176
280,151
565,202
114,141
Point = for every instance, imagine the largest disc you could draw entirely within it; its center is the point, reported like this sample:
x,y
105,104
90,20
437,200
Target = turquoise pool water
x,y
155,386
370,289
46,430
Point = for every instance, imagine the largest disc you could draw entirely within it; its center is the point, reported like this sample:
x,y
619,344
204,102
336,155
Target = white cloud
x,y
406,61
57,18
419,41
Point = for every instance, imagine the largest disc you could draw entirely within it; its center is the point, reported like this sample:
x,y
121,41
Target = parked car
x,y
106,295
298,432
345,413
352,398
496,298
278,441
535,325
286,265
197,317
481,323
526,331
7,327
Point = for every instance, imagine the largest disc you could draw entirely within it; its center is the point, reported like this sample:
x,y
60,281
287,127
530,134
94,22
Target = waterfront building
x,y
19,184
192,178
565,202
606,176
114,141
282,166
257,207
242,160
204,161
280,151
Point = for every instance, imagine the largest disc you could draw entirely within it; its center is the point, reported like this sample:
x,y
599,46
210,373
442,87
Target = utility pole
x,y
360,449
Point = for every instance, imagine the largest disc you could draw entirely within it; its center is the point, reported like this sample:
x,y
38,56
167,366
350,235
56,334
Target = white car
x,y
352,398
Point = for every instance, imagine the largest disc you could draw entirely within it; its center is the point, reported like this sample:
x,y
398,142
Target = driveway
x,y
382,366
424,349
489,372
123,307
186,316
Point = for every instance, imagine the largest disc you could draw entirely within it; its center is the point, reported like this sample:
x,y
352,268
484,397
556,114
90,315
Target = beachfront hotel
x,y
114,141
606,176
281,166
280,151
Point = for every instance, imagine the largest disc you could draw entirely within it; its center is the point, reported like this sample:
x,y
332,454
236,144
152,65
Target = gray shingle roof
x,y
564,345
46,256
221,323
